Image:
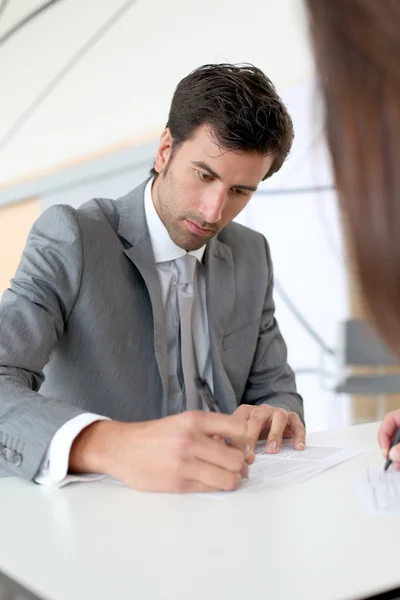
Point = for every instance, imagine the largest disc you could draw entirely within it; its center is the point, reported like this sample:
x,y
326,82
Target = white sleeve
x,y
54,467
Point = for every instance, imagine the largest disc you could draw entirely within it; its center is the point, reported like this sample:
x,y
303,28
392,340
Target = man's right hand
x,y
180,453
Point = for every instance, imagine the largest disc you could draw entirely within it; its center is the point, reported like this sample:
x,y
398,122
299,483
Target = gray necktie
x,y
186,266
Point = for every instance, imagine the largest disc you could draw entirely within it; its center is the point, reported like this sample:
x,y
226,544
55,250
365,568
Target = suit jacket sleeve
x,y
271,380
33,313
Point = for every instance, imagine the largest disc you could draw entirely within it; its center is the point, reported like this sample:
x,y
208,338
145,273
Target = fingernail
x,y
245,472
273,446
394,454
301,445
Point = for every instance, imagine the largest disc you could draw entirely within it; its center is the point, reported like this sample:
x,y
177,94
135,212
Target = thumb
x,y
387,430
394,453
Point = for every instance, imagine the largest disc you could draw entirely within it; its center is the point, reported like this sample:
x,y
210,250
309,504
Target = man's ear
x,y
164,151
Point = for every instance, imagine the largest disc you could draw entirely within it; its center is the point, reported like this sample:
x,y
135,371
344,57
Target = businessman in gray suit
x,y
120,308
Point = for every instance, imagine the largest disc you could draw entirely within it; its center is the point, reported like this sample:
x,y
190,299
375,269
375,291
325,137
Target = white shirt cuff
x,y
54,467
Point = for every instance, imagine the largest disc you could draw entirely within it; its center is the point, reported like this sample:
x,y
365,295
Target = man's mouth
x,y
202,231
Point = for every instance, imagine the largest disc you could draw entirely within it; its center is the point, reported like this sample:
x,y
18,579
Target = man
x,y
130,302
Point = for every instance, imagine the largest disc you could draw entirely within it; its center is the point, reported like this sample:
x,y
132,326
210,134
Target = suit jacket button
x,y
7,453
16,459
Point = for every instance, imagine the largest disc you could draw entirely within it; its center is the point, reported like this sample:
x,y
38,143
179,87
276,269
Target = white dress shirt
x,y
54,467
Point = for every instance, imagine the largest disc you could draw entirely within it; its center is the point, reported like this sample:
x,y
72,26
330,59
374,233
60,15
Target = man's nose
x,y
212,206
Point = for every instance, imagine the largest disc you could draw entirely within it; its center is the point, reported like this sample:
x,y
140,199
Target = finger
x,y
230,429
210,475
387,430
258,419
250,456
211,451
278,425
196,487
394,454
242,414
298,430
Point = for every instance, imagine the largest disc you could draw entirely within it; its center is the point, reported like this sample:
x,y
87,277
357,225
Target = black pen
x,y
207,397
206,394
395,440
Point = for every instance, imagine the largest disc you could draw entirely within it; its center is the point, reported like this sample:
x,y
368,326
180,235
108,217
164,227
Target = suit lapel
x,y
133,229
220,284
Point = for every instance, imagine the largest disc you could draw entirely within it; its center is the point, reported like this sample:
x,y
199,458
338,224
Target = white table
x,y
308,541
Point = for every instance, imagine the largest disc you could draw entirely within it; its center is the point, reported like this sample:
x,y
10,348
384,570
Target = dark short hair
x,y
241,106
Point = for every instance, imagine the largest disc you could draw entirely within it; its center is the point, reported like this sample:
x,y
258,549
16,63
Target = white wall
x,y
122,89
303,231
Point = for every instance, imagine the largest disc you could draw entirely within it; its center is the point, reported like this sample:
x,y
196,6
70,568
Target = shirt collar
x,y
164,249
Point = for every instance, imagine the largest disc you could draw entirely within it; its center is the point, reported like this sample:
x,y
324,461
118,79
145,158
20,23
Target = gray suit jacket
x,y
83,322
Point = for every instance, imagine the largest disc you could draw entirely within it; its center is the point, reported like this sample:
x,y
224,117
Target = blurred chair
x,y
361,348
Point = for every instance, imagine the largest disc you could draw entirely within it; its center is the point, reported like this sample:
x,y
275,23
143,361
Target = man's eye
x,y
205,176
239,192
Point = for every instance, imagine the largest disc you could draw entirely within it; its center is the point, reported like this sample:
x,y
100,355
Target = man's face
x,y
202,187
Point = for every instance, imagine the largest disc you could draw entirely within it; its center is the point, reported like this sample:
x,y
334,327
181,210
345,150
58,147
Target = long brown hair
x,y
357,53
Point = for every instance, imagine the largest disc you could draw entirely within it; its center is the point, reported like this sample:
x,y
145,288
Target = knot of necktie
x,y
186,266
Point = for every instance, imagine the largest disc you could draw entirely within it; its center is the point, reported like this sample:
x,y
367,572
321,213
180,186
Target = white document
x,y
290,465
379,491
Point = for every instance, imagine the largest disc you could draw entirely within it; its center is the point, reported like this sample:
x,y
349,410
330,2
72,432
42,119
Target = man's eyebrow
x,y
203,165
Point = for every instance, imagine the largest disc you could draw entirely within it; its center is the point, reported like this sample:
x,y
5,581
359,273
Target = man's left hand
x,y
272,424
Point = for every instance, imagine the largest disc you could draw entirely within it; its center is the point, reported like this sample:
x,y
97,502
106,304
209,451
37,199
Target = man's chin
x,y
191,243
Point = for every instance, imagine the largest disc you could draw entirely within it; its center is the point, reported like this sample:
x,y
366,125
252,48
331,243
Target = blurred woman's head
x,y
357,53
